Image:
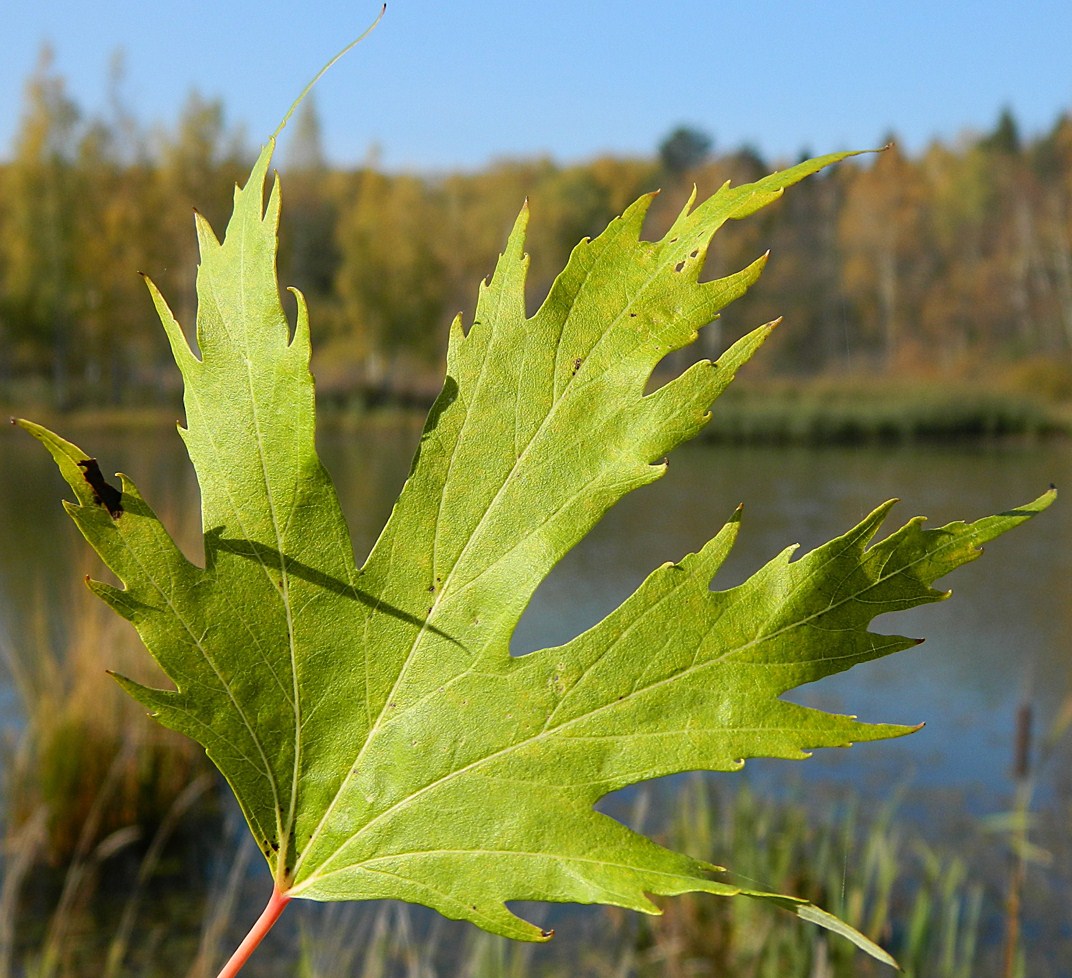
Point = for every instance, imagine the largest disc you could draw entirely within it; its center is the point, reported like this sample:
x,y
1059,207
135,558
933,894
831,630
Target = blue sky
x,y
456,84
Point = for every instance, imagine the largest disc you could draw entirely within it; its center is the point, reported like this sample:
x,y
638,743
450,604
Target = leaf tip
x,y
816,915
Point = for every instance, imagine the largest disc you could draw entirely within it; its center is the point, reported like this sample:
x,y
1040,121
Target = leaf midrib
x,y
285,821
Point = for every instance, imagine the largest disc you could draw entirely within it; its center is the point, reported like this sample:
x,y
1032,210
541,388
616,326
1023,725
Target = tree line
x,y
955,260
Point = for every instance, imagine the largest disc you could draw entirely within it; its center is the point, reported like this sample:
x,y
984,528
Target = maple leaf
x,y
378,734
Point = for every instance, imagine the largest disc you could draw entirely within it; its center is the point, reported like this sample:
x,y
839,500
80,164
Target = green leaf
x,y
379,736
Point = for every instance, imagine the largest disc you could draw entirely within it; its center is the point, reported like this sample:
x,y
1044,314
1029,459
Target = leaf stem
x,y
276,905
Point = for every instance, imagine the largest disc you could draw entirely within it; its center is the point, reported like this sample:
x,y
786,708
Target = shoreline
x,y
814,412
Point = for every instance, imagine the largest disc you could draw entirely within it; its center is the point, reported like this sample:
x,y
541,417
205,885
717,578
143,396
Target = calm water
x,y
1004,637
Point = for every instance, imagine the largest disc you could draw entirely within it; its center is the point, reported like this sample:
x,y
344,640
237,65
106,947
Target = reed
x,y
919,900
846,411
874,872
88,780
90,786
79,733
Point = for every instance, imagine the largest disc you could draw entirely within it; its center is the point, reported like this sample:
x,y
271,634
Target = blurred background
x,y
926,352
947,255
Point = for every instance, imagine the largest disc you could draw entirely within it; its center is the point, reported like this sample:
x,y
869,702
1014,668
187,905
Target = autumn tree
x,y
38,247
945,261
310,257
196,168
115,227
390,279
879,233
1051,162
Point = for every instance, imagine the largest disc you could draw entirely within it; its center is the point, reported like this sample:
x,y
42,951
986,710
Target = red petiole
x,y
276,905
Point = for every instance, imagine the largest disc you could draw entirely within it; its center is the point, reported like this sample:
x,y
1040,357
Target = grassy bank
x,y
1033,401
862,411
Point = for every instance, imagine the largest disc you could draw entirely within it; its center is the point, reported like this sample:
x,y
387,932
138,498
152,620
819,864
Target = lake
x,y
1003,639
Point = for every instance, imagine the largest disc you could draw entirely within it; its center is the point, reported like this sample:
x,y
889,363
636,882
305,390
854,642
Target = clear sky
x,y
457,83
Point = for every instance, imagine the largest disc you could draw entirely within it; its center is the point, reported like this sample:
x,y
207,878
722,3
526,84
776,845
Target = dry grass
x,y
88,778
86,754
